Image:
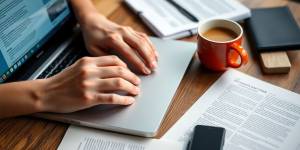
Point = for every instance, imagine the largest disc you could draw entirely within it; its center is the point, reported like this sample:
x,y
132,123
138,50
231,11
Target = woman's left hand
x,y
103,36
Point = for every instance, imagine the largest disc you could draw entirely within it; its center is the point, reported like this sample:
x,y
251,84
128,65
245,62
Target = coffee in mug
x,y
220,34
219,44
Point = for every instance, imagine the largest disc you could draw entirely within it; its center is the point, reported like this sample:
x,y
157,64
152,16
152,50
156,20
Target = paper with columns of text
x,y
82,138
256,114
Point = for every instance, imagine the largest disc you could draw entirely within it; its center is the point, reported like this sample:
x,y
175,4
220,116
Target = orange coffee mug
x,y
218,55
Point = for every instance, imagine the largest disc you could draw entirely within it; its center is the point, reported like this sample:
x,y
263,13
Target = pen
x,y
183,11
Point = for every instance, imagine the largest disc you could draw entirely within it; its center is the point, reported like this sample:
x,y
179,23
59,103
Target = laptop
x,y
44,39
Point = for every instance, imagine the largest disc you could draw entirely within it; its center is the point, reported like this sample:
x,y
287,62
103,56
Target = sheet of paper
x,y
204,9
168,22
82,138
256,114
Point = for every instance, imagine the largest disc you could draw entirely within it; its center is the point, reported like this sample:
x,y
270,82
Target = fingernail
x,y
154,64
147,71
130,100
156,54
138,80
137,90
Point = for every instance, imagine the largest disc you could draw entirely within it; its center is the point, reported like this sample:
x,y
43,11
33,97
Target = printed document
x,y
255,114
81,138
168,21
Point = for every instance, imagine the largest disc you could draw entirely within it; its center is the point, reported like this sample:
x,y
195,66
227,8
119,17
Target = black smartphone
x,y
207,138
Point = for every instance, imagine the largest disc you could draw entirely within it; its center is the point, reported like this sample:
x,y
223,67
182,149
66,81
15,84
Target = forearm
x,y
20,98
83,8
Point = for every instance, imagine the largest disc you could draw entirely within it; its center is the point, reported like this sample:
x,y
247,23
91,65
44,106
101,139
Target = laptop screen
x,y
25,26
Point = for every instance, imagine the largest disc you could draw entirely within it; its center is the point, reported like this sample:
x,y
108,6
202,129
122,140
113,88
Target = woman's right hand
x,y
89,82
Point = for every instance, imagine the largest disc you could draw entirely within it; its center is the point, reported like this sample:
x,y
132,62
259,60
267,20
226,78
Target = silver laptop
x,y
48,56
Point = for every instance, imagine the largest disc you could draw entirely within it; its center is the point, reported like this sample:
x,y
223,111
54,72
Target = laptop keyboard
x,y
65,59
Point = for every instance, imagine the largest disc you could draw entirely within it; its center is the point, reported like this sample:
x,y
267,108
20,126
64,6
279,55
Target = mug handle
x,y
242,53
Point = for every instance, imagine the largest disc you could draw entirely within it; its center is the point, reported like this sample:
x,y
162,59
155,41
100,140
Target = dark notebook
x,y
273,29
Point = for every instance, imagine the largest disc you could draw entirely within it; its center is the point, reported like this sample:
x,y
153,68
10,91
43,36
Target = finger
x,y
111,60
117,71
150,43
142,46
130,55
116,85
116,99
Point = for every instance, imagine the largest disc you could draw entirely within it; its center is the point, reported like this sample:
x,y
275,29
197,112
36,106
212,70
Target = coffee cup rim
x,y
226,20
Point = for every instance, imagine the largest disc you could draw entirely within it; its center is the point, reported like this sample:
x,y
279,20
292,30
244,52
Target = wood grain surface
x,y
32,133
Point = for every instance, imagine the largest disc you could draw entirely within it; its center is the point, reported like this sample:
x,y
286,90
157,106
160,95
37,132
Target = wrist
x,y
83,10
39,94
88,16
85,18
97,22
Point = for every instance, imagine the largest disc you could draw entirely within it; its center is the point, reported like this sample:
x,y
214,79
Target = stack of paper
x,y
82,138
255,114
173,19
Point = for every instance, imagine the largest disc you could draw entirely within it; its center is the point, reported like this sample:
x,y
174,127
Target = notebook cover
x,y
273,29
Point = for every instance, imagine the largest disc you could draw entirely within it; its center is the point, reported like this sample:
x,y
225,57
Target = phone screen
x,y
207,138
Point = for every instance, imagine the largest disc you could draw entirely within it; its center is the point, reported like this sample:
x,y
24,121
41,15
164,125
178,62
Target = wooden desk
x,y
33,133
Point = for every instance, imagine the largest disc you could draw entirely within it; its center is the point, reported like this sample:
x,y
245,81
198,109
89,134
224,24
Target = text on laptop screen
x,y
24,26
